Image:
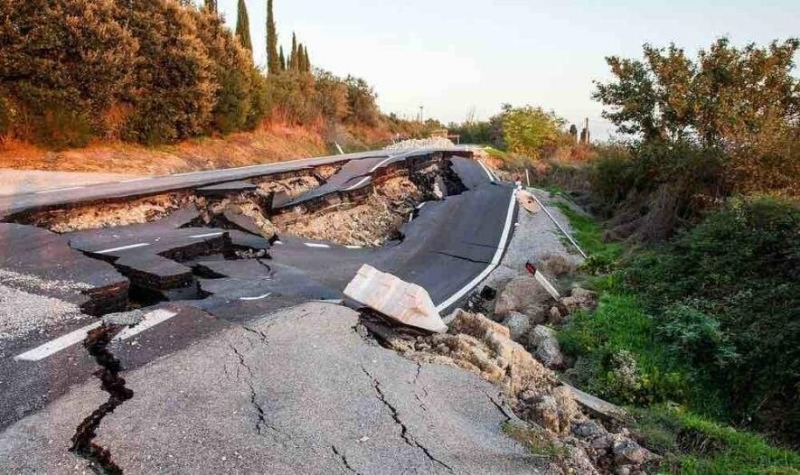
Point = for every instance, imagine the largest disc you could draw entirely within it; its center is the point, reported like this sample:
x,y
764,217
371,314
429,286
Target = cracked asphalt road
x,y
300,391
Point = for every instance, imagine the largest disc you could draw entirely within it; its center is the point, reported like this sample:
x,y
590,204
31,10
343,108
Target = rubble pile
x,y
433,142
295,186
587,443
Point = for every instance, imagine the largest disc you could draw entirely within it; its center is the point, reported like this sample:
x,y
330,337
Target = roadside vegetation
x,y
165,71
694,244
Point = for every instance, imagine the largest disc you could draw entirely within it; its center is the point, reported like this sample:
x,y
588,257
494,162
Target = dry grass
x,y
273,143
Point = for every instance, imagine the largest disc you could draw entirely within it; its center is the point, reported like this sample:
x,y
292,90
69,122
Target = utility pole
x,y
421,109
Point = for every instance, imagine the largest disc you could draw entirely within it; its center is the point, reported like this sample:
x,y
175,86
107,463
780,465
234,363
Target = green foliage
x,y
528,130
275,63
729,291
243,26
534,439
741,103
361,99
693,444
602,255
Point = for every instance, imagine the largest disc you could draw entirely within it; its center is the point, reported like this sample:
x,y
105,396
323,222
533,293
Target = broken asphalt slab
x,y
297,392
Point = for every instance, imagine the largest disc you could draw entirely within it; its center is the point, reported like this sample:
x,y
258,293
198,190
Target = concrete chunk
x,y
528,202
406,303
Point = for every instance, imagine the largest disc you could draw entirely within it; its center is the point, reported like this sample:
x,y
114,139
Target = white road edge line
x,y
54,346
419,206
354,247
318,246
123,248
149,320
136,179
495,260
358,184
278,242
200,236
488,173
380,164
56,190
260,297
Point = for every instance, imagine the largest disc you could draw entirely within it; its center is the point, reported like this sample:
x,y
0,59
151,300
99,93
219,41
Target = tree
x,y
361,99
211,5
293,63
306,60
528,130
273,60
573,132
243,26
282,60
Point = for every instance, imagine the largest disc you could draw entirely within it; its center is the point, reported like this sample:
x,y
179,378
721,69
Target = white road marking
x,y
123,248
54,346
361,182
419,206
136,179
201,236
186,173
380,164
149,320
278,242
260,297
355,247
315,245
411,217
495,260
56,190
488,173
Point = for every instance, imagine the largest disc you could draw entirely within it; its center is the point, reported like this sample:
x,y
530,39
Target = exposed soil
x,y
293,187
108,215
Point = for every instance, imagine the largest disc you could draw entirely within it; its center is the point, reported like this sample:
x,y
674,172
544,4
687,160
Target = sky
x,y
456,56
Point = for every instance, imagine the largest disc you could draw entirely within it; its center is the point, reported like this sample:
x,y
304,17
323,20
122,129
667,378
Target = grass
x,y
692,444
648,377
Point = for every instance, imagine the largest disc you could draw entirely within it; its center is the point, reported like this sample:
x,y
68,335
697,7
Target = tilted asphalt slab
x,y
297,392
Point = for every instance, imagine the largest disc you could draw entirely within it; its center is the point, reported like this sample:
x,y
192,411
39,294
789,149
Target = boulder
x,y
518,325
521,294
544,344
401,301
628,452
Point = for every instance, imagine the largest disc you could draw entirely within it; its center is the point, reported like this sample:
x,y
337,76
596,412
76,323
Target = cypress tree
x,y
282,60
301,63
306,59
293,55
243,26
211,5
273,60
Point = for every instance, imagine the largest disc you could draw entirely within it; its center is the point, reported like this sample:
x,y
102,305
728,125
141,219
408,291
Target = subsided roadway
x,y
332,402
16,182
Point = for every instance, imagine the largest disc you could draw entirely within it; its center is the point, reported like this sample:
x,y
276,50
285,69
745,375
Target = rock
x,y
628,452
545,345
586,429
520,294
406,303
555,317
555,411
518,325
528,202
580,299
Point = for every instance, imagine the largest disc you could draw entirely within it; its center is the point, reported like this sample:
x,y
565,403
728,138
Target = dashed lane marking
x,y
54,346
260,297
317,246
201,236
123,248
56,190
149,320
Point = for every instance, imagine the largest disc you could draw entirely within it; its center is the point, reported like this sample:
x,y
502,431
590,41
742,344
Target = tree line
x,y
156,72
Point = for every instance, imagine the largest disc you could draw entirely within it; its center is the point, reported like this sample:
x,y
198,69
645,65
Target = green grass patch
x,y
602,255
493,152
692,444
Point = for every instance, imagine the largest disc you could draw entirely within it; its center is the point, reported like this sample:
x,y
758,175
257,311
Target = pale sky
x,y
451,56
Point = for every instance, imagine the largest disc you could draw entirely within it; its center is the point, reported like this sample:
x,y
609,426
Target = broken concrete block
x,y
439,188
545,345
406,303
527,201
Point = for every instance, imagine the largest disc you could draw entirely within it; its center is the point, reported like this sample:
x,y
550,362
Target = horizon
x,y
461,70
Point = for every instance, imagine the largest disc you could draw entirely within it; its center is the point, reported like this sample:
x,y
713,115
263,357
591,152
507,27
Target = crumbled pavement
x,y
297,392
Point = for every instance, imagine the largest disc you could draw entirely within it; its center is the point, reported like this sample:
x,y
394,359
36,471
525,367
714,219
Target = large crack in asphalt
x,y
404,434
344,460
99,458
